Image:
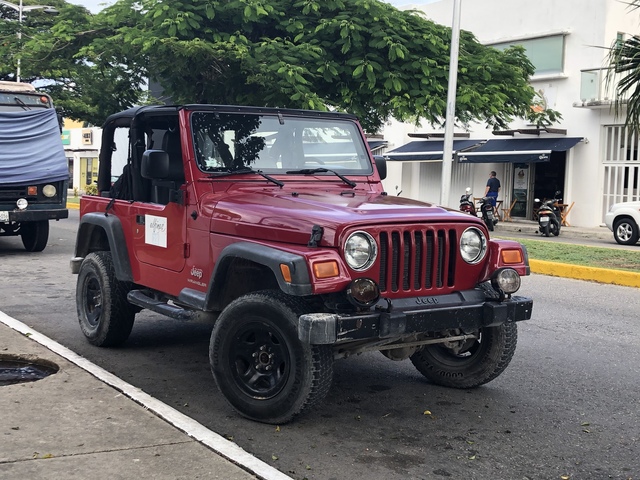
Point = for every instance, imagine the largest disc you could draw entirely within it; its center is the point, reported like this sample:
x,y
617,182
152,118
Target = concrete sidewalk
x,y
82,422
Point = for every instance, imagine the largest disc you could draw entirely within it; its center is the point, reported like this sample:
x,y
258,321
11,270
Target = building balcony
x,y
596,89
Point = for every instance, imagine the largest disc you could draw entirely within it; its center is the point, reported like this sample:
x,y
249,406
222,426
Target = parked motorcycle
x,y
488,213
549,216
466,203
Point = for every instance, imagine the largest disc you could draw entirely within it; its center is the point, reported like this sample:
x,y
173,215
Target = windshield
x,y
277,144
12,101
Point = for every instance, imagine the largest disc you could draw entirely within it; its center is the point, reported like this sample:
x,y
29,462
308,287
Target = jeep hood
x,y
289,216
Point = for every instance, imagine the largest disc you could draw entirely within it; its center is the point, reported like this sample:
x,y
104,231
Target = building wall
x,y
590,25
81,146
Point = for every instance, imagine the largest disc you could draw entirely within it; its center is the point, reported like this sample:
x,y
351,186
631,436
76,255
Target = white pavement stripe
x,y
199,432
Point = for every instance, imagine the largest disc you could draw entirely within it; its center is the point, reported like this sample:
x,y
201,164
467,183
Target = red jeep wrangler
x,y
274,222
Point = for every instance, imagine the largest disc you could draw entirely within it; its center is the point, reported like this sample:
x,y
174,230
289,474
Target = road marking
x,y
197,431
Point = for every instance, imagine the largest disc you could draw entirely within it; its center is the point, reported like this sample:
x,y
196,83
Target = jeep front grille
x,y
417,260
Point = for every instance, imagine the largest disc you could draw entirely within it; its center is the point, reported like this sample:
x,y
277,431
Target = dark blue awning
x,y
375,144
517,150
427,150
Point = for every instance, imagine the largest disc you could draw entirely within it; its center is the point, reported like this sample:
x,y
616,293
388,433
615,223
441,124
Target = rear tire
x,y
265,372
626,232
480,362
546,230
105,316
35,235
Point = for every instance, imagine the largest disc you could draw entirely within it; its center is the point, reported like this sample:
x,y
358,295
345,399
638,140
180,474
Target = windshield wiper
x,y
227,172
21,103
311,171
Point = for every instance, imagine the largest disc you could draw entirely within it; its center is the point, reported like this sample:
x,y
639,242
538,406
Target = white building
x,y
81,147
567,43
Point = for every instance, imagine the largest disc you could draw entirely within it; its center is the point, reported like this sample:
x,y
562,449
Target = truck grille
x,y
417,260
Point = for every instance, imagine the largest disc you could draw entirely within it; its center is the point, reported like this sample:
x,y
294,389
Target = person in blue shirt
x,y
493,188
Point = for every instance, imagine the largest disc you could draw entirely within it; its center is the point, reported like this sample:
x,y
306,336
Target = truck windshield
x,y
276,144
11,101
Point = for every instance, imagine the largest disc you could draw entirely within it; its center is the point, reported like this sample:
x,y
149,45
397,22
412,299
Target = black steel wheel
x,y
35,235
625,231
260,365
105,316
471,364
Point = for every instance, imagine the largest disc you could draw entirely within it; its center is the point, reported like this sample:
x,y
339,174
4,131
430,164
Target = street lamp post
x,y
21,9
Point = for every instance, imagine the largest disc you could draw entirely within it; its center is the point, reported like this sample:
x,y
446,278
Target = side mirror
x,y
381,165
468,190
155,164
536,199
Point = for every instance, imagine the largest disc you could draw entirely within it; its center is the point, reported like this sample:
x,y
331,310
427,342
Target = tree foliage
x,y
361,56
624,62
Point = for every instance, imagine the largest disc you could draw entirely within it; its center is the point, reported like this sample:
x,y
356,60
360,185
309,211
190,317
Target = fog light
x,y
507,280
49,191
363,292
22,203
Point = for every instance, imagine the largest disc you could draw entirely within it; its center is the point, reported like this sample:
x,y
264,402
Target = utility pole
x,y
447,155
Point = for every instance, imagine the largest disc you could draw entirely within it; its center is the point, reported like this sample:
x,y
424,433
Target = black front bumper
x,y
468,311
37,215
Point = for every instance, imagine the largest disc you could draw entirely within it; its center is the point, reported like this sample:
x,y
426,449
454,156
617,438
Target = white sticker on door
x,y
155,232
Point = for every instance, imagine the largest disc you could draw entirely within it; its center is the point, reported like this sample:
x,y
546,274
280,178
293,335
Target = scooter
x,y
488,215
466,203
549,216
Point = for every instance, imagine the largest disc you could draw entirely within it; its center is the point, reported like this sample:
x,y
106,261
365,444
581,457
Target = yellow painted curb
x,y
75,206
600,275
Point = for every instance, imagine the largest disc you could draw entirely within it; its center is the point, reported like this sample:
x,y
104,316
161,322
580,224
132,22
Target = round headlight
x,y
49,191
360,251
473,245
22,203
507,280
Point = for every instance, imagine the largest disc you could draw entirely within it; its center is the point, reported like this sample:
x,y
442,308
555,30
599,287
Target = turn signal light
x,y
32,191
511,256
326,269
286,272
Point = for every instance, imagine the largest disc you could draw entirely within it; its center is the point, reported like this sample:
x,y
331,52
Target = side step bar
x,y
141,299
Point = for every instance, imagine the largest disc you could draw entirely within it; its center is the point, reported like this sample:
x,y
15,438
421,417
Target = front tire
x,y
105,316
478,363
625,231
555,228
258,362
35,235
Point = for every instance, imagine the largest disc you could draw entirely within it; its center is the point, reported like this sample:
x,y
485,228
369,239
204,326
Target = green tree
x,y
54,56
361,56
624,62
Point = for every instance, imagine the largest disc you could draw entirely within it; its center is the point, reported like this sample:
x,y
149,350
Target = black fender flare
x,y
271,258
112,228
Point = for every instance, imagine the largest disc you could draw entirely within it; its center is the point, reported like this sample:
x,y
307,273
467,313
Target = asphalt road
x,y
568,404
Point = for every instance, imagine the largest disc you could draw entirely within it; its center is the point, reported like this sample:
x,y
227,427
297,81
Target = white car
x,y
623,220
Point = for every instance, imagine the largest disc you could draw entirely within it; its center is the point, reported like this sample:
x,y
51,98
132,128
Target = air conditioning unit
x,y
87,137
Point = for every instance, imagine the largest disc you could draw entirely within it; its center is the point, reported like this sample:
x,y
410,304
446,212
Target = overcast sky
x,y
96,5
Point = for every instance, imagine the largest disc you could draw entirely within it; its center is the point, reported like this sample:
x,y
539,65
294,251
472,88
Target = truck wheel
x,y
477,363
261,367
105,315
625,231
34,235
